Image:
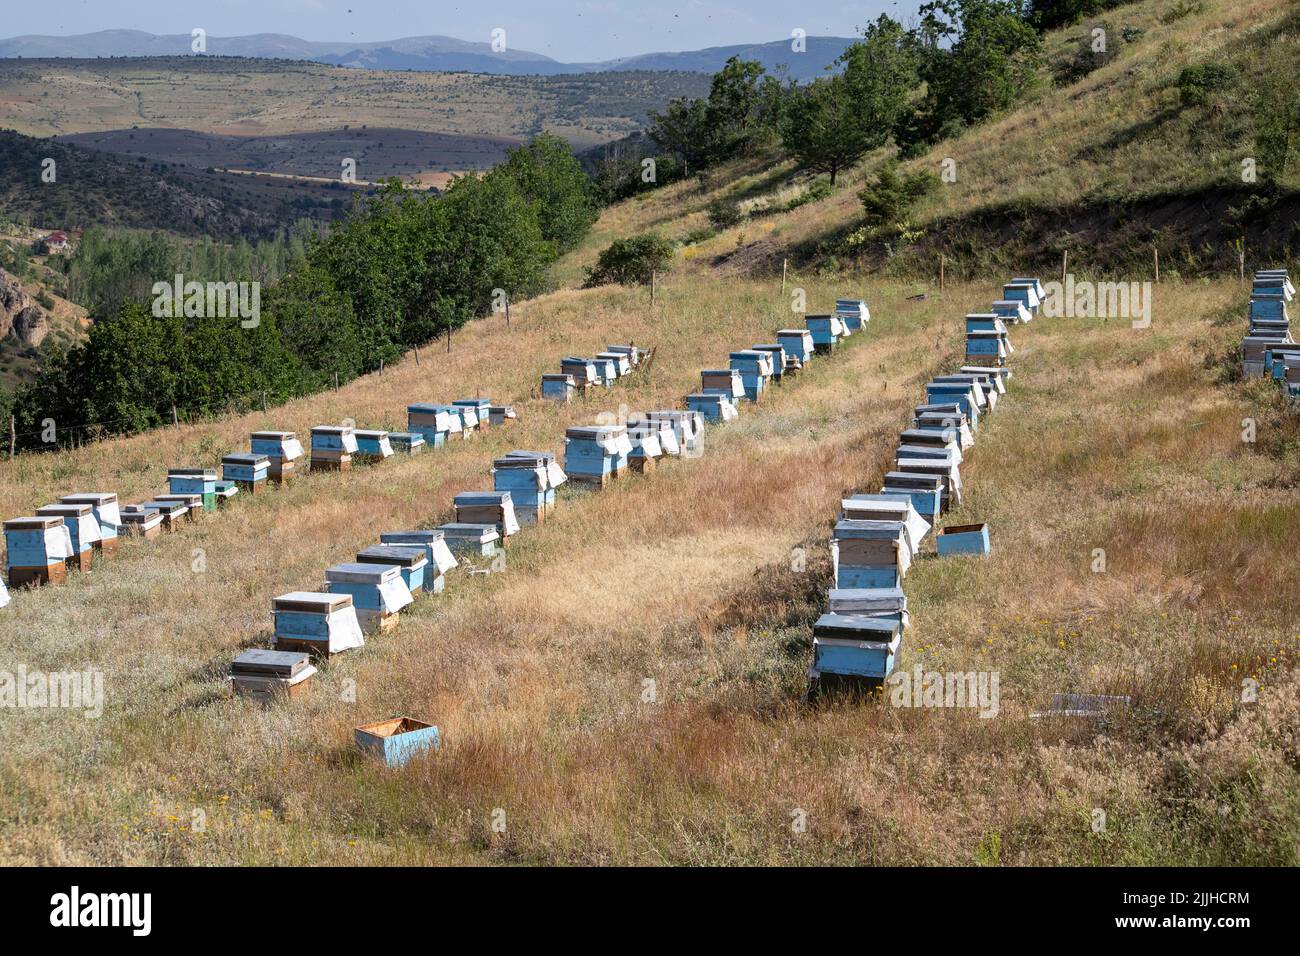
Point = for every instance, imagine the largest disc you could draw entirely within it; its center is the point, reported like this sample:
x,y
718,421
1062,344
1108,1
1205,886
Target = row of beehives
x,y
370,593
877,535
577,375
40,548
1268,349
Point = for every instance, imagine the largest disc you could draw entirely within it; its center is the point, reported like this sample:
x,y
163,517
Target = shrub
x,y
818,191
724,213
1197,84
631,261
892,197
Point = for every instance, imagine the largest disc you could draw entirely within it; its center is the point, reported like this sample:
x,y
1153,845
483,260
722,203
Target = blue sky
x,y
571,30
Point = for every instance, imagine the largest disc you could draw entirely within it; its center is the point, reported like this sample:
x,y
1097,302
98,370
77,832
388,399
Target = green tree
x,y
880,72
549,176
633,260
822,131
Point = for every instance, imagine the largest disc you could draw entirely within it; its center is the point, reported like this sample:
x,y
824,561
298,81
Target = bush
x,y
818,191
703,234
1197,84
631,261
892,197
724,213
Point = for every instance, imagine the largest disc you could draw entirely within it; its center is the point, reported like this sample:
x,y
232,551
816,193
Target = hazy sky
x,y
571,30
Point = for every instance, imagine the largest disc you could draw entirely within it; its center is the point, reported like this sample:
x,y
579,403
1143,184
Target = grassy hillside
x,y
1107,167
1129,441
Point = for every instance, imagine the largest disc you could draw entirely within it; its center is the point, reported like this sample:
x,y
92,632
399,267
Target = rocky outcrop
x,y
19,316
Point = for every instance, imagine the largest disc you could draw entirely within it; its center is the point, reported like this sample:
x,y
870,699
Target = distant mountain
x,y
427,53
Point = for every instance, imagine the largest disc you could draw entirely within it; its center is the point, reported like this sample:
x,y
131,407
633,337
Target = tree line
x,y
402,268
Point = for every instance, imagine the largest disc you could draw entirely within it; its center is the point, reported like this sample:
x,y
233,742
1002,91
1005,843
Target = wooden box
x,y
441,560
83,530
194,481
397,741
317,622
411,562
107,514
37,549
963,539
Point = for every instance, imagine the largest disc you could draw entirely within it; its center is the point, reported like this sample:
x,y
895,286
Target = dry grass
x,y
1112,438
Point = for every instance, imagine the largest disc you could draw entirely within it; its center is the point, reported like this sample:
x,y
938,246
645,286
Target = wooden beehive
x,y
267,676
395,742
332,447
107,513
316,622
282,450
37,549
83,530
441,560
378,592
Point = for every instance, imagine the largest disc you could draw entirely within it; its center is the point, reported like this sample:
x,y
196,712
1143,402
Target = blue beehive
x,y
987,347
488,507
434,422
869,554
888,507
854,645
378,592
635,356
1028,291
441,560
596,454
472,541
887,603
963,539
1011,310
582,370
1272,286
621,363
411,562
531,478
853,313
755,370
395,742
282,450
985,398
194,481
993,378
778,358
37,549
796,342
332,447
925,490
722,381
82,527
985,322
960,394
827,332
316,621
406,443
247,470
945,468
479,417
688,425
558,387
106,512
712,406
373,444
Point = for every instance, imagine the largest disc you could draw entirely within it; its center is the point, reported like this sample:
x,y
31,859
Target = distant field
x,y
245,97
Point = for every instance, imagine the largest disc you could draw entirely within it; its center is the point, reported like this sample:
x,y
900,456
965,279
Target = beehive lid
x,y
856,627
463,531
357,572
370,433
33,523
91,497
332,430
270,663
868,530
410,558
311,602
933,482
557,377
246,458
473,499
67,510
273,436
413,537
207,474
171,508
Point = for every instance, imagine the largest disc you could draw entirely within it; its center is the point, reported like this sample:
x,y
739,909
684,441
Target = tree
x,y
821,130
632,260
977,57
549,176
880,72
891,198
725,124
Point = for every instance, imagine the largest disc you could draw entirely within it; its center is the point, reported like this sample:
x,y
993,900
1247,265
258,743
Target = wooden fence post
x,y
941,264
1155,251
176,423
417,356
1065,264
785,265
336,381
13,438
654,276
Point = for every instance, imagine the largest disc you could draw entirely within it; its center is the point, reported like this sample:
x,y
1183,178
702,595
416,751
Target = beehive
x,y
639,426
411,561
646,450
944,468
471,541
755,370
268,676
194,481
140,522
797,343
441,560
488,507
37,549
282,450
531,478
583,371
985,397
474,413
1029,292
712,406
722,381
174,513
854,645
332,447
558,387
107,513
596,454
406,443
781,362
963,539
887,603
891,507
827,332
925,490
621,363
372,445
853,313
378,592
316,622
395,742
502,414
1011,310
193,505
247,470
869,554
435,422
688,425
